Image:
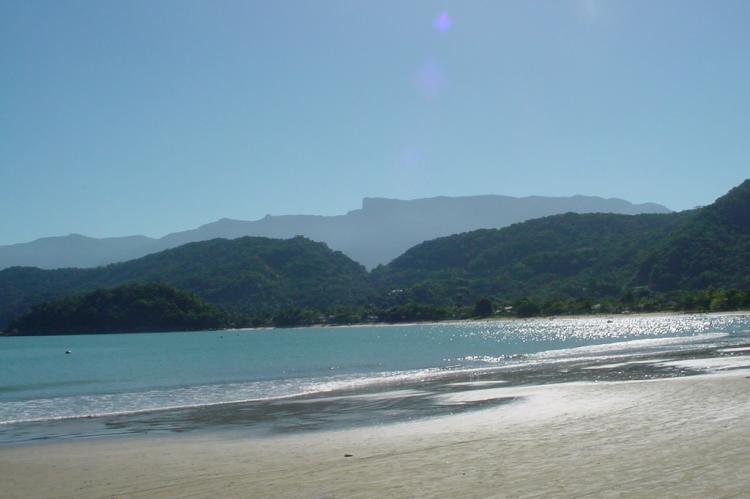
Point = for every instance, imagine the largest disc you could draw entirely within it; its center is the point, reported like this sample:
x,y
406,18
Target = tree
x,y
483,308
526,308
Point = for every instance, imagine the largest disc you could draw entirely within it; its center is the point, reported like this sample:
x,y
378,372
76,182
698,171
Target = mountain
x,y
571,255
713,250
73,250
249,274
567,256
581,255
375,234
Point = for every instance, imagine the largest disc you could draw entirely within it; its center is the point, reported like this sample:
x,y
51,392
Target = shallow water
x,y
319,378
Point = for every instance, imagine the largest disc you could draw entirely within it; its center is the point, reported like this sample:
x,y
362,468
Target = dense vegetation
x,y
566,255
254,275
590,256
563,264
641,301
712,250
129,308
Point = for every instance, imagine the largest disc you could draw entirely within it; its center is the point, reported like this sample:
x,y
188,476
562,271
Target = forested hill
x,y
249,274
378,232
569,256
588,255
711,250
127,308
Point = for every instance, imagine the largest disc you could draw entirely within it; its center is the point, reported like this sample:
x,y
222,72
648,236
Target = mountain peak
x,y
379,232
734,206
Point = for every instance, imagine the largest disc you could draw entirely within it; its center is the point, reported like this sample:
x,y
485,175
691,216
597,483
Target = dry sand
x,y
686,437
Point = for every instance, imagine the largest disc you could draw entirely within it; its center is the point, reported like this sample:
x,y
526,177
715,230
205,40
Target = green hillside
x,y
712,250
249,274
702,253
571,255
128,308
589,255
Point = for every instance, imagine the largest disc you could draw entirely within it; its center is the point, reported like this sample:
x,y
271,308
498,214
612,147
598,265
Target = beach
x,y
685,437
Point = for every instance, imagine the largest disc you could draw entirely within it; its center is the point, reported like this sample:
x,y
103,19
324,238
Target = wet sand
x,y
686,437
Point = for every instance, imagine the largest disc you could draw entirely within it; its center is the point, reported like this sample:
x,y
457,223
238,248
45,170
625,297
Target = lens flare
x,y
442,22
430,79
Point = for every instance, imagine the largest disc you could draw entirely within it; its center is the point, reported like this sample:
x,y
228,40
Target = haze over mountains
x,y
375,234
555,258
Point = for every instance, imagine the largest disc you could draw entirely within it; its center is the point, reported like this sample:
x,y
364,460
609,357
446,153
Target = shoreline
x,y
682,436
501,319
314,410
633,315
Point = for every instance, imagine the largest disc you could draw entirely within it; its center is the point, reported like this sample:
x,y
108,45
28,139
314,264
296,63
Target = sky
x,y
148,117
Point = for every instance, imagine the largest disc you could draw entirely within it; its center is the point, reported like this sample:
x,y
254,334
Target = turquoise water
x,y
135,373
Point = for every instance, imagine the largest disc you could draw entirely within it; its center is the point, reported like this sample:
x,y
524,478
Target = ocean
x,y
281,380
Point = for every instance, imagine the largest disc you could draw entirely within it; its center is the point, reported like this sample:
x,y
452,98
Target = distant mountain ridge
x,y
73,250
554,259
375,234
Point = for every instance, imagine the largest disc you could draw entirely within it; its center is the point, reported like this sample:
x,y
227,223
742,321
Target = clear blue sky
x,y
146,117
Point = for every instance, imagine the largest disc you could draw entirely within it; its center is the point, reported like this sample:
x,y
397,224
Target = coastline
x,y
470,320
678,436
503,319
